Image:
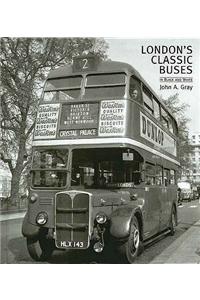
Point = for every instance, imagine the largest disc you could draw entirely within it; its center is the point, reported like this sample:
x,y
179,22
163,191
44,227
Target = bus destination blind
x,y
79,120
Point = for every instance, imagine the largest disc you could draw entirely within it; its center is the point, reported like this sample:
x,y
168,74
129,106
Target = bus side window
x,y
164,118
156,108
174,125
150,174
159,177
135,171
166,177
172,177
148,101
135,90
171,129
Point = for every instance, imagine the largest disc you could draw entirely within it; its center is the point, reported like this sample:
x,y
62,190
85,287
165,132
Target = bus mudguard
x,y
120,221
29,230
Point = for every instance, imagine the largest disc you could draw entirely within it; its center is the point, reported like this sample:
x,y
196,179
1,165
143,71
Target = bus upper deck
x,y
104,103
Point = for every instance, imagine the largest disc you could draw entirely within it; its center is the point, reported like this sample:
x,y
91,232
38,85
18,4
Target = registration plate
x,y
71,244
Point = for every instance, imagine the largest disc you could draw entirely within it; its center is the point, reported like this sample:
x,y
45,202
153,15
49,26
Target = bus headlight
x,y
42,218
98,247
101,218
33,197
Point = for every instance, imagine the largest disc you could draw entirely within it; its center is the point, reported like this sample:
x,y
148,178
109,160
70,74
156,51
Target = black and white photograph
x,y
100,151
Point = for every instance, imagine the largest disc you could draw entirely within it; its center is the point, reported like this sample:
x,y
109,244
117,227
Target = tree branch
x,y
30,130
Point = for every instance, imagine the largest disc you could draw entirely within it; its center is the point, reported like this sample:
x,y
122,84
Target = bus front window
x,y
105,92
105,168
105,85
49,168
50,96
62,89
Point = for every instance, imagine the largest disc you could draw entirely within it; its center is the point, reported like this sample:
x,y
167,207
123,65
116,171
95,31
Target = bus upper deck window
x,y
63,83
64,95
62,89
104,92
106,79
105,85
69,94
135,90
156,108
164,118
148,100
50,96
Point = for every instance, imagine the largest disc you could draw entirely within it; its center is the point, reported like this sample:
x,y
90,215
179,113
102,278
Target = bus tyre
x,y
132,247
40,249
173,221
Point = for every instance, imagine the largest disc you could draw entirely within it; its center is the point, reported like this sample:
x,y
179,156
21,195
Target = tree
x,y
24,64
178,109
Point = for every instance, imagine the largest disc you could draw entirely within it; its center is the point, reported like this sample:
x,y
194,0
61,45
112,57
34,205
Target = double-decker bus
x,y
104,162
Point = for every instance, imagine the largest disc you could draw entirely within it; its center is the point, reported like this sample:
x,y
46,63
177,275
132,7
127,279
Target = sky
x,y
130,51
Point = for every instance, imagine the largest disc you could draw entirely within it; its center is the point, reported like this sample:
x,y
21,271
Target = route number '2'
x,y
85,63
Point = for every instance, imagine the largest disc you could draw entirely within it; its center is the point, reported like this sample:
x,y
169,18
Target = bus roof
x,y
107,67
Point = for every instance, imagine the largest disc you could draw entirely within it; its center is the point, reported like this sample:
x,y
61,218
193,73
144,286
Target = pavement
x,y
184,250
12,210
12,216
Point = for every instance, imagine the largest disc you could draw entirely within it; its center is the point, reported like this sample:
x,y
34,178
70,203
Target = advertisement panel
x,y
153,133
47,121
112,118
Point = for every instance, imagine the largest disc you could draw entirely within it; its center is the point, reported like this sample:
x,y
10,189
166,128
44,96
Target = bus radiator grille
x,y
72,220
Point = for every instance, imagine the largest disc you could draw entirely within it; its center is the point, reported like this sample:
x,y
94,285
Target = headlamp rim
x,y
46,217
101,214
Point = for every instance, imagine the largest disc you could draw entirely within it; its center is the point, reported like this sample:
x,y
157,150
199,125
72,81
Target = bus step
x,y
156,238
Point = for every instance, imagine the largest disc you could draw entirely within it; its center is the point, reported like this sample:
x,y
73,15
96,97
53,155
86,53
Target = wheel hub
x,y
136,239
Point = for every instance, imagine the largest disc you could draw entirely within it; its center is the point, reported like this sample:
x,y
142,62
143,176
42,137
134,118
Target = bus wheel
x,y
131,248
40,249
173,221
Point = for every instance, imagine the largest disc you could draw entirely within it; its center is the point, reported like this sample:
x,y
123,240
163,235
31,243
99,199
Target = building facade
x,y
194,172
